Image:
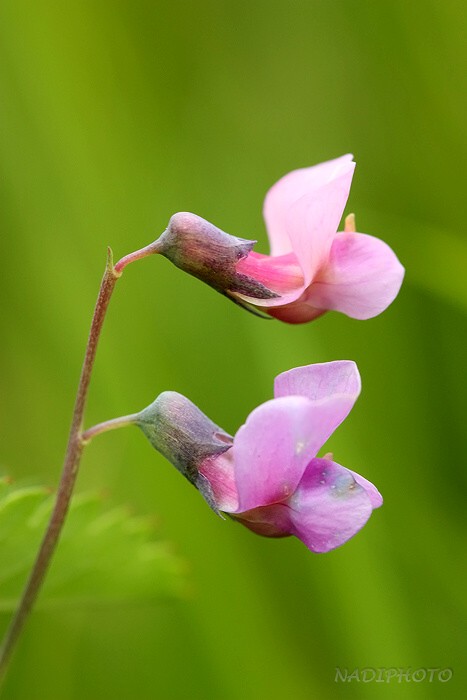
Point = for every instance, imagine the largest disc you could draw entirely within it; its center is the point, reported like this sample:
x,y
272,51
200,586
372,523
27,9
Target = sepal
x,y
204,251
185,436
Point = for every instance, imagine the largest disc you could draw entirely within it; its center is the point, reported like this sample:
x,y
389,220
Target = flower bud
x,y
185,436
204,251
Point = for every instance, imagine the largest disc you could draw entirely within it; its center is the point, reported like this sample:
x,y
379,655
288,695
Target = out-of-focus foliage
x,y
114,115
107,556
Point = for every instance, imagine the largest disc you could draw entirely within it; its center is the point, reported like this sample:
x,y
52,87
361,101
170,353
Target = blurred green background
x,y
116,114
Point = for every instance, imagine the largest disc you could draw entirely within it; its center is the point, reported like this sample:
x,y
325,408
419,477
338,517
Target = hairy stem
x,y
69,473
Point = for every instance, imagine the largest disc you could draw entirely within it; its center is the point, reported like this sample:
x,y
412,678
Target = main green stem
x,y
69,472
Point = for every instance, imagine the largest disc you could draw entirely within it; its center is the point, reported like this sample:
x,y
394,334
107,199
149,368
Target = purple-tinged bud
x,y
204,251
185,436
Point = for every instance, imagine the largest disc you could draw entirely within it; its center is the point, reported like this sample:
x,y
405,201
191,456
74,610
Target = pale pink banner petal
x,y
312,223
292,187
320,381
273,448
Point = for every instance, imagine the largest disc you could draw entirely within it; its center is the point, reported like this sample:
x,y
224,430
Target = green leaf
x,y
105,555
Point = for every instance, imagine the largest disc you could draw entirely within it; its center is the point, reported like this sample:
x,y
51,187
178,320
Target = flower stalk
x,y
107,425
76,442
151,249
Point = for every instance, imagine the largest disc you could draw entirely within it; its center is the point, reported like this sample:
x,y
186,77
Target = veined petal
x,y
328,506
363,276
320,381
295,185
272,450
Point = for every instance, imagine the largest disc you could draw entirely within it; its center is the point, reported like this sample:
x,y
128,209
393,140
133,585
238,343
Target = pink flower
x,y
312,267
268,476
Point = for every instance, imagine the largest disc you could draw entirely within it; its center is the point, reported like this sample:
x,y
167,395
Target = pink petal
x,y
373,494
332,387
312,223
321,381
297,184
219,471
282,275
269,521
328,507
272,450
296,312
363,276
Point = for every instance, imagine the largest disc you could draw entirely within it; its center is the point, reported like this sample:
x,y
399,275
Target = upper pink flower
x,y
269,476
312,268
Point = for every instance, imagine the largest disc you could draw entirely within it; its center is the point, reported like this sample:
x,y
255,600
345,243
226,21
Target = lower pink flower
x,y
268,476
